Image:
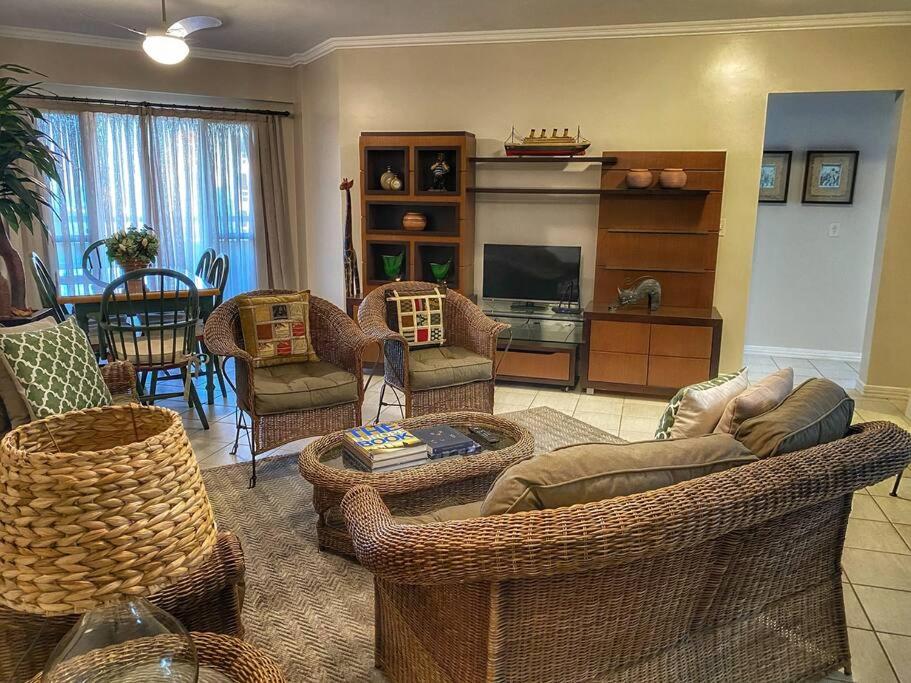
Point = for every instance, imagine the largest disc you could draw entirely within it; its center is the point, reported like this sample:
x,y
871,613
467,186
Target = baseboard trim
x,y
789,352
882,391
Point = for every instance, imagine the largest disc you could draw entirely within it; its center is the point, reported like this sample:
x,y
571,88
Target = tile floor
x,y
877,557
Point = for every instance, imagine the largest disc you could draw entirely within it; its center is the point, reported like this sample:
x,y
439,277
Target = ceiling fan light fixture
x,y
165,49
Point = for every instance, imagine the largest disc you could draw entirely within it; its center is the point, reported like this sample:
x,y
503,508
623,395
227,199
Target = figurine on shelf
x,y
643,288
439,172
390,180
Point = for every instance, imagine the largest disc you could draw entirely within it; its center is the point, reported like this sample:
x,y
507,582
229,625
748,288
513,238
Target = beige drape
x,y
273,225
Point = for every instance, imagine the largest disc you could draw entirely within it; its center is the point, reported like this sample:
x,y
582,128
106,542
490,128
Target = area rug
x,y
313,611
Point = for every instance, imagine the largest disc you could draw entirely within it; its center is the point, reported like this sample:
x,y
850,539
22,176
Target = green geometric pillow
x,y
55,370
670,413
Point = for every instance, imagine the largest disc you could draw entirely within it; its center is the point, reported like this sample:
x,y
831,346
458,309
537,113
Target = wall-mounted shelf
x,y
656,192
536,190
542,160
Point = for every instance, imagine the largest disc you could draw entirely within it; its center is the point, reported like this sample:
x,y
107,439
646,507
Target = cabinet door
x,y
617,337
620,368
681,341
667,371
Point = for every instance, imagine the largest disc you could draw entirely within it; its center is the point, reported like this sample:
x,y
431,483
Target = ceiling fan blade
x,y
185,27
127,28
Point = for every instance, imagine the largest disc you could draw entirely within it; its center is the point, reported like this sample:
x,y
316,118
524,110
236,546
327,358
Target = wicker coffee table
x,y
415,490
222,659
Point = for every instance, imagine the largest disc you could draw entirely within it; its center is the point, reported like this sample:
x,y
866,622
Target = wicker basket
x,y
97,504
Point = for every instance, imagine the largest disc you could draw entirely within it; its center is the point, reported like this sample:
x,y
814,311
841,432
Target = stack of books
x,y
443,441
383,448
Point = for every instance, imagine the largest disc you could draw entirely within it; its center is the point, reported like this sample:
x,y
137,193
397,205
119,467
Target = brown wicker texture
x,y
732,576
207,598
465,325
336,339
96,504
449,480
120,377
233,658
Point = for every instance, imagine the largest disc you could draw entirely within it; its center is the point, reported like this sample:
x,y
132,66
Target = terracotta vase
x,y
413,220
638,178
672,178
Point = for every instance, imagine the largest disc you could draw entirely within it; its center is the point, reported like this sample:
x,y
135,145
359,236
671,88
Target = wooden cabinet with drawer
x,y
635,351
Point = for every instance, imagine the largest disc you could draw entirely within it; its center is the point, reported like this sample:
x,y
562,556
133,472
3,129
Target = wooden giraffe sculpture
x,y
352,278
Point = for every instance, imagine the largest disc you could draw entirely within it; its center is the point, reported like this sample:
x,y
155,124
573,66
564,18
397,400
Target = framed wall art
x,y
774,177
829,177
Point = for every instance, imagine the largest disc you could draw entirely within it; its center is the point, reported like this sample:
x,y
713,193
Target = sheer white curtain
x,y
190,178
203,193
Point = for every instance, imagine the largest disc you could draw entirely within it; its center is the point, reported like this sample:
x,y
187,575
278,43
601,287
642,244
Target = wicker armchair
x,y
336,340
466,327
729,577
210,598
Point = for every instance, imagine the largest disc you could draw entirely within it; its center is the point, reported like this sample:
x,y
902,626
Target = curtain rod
x,y
129,103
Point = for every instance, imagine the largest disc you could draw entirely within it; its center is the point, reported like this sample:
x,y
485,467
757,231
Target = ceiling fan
x,y
165,43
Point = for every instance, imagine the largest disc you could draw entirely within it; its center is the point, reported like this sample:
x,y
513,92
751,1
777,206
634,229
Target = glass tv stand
x,y
545,343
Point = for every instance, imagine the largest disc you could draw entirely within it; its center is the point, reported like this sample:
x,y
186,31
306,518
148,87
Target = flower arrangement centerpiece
x,y
133,248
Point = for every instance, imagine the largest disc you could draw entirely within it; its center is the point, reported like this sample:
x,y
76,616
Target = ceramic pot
x,y
413,220
672,178
638,178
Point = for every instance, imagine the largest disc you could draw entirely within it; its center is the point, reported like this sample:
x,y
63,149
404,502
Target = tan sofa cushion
x,y
762,396
301,386
13,411
816,412
590,472
446,366
452,513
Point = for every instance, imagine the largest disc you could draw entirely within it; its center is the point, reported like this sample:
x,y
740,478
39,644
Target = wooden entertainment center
x,y
669,234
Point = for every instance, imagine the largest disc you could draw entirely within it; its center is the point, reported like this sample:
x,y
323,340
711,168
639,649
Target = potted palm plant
x,y
27,158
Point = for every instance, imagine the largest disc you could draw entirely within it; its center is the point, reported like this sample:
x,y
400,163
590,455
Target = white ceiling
x,y
286,27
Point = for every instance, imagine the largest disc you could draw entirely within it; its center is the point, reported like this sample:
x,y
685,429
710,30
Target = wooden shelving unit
x,y
543,160
671,235
450,212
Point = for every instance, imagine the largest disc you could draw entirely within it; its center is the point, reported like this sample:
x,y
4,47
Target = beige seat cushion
x,y
150,351
446,366
816,412
452,513
301,386
13,411
591,472
762,396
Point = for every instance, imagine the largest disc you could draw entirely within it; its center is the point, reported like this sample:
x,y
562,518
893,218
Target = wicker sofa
x,y
733,576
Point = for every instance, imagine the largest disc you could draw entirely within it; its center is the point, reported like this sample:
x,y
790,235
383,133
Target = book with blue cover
x,y
443,441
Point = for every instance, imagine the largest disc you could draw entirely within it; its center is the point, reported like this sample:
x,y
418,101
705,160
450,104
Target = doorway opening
x,y
819,233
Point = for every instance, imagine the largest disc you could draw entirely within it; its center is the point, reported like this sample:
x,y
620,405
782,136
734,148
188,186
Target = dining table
x,y
83,295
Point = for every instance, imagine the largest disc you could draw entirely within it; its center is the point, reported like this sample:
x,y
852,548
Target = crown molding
x,y
534,35
135,45
651,30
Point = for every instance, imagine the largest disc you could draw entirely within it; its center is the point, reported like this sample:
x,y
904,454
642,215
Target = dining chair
x,y
149,318
217,277
205,263
93,262
47,289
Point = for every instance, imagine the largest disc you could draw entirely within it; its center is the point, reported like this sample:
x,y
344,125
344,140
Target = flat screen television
x,y
523,272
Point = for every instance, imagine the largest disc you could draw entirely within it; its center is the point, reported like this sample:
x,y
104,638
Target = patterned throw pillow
x,y
666,423
419,317
276,328
55,370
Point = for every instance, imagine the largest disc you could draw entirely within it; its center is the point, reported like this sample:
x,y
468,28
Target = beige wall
x,y
697,92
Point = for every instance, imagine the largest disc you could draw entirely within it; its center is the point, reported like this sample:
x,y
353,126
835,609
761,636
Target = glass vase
x,y
125,641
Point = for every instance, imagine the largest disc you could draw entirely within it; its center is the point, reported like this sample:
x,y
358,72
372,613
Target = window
x,y
188,178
